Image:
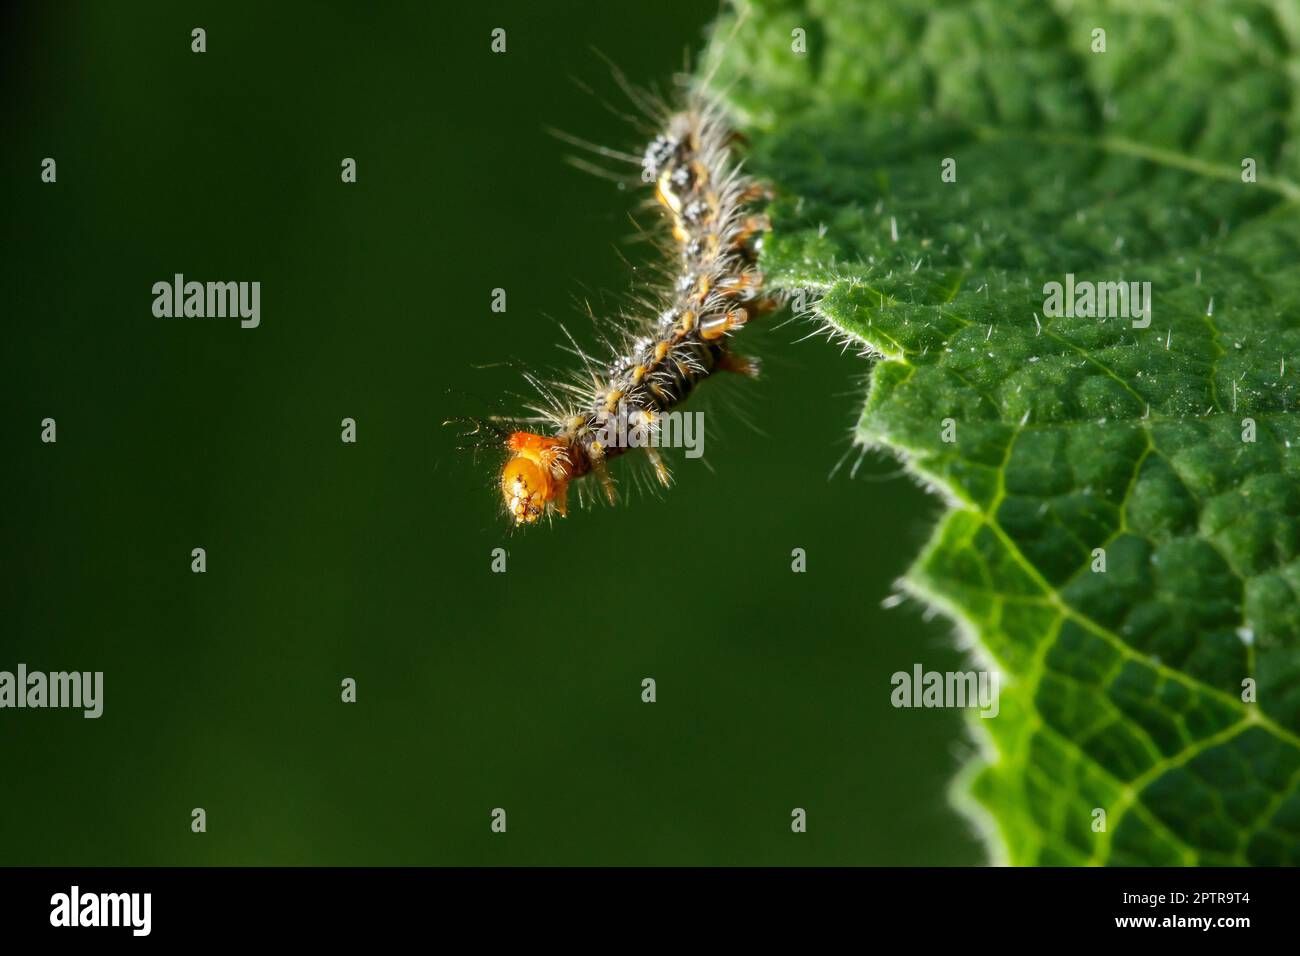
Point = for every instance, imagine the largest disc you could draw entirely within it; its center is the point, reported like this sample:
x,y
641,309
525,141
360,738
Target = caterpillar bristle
x,y
706,289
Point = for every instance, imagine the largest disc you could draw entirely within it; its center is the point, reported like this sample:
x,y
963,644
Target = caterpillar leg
x,y
751,228
597,454
740,364
743,286
714,327
661,469
606,482
560,502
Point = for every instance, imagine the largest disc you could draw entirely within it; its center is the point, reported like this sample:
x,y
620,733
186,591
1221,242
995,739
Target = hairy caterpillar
x,y
714,289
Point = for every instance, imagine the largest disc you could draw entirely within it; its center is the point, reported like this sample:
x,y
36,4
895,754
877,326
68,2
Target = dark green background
x,y
326,560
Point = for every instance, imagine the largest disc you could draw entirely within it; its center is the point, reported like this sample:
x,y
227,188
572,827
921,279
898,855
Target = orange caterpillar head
x,y
535,475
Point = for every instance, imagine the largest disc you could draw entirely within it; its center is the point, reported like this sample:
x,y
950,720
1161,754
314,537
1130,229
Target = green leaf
x,y
1123,689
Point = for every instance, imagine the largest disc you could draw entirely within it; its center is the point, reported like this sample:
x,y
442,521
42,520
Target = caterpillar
x,y
714,289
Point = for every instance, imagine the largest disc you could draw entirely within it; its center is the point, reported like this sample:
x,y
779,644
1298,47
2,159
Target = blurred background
x,y
372,561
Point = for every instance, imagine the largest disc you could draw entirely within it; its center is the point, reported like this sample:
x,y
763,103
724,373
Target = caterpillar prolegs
x,y
715,289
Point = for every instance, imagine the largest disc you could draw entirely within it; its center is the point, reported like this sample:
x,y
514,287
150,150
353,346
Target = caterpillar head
x,y
534,476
